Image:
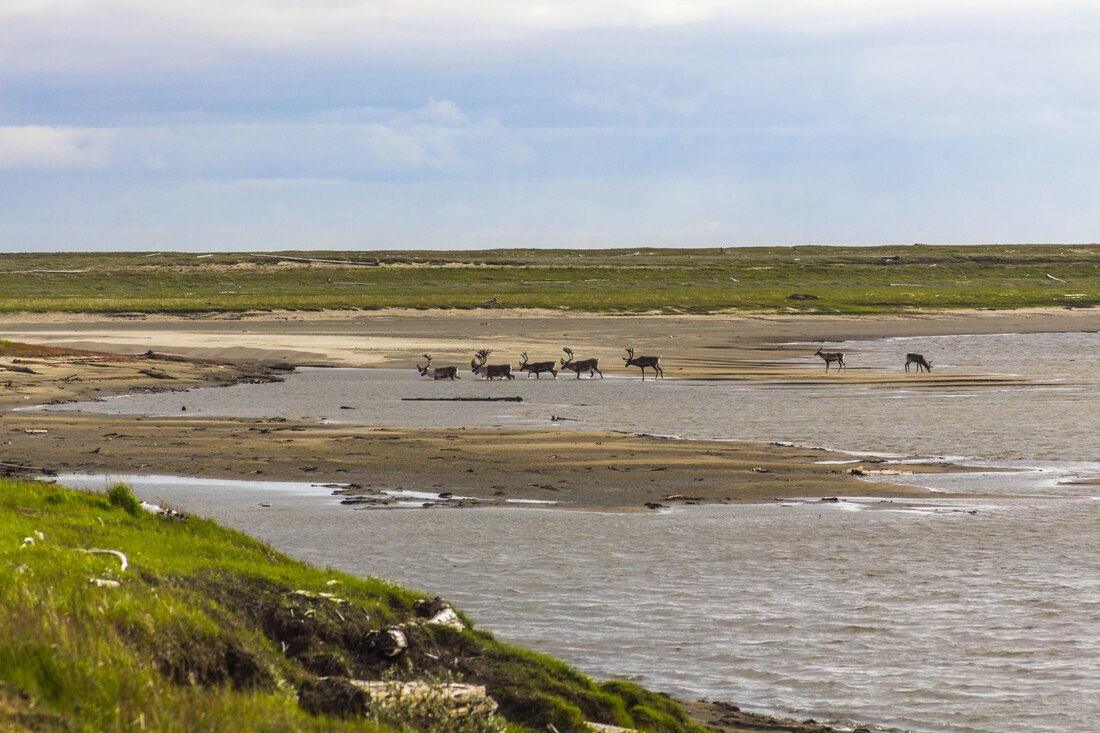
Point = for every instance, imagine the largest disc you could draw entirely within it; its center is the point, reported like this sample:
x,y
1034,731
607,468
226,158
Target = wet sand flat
x,y
575,469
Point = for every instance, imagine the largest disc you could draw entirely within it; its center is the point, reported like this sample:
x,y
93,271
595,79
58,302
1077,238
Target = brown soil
x,y
721,717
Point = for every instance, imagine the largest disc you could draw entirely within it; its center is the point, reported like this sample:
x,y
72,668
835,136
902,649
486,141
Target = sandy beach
x,y
699,347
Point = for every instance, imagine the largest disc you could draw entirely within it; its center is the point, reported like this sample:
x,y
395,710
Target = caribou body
x,y
645,362
919,360
592,366
491,371
830,357
447,372
537,367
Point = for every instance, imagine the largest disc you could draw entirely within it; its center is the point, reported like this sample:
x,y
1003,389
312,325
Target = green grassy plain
x,y
839,279
209,630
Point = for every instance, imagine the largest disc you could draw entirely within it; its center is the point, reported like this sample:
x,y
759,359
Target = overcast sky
x,y
275,124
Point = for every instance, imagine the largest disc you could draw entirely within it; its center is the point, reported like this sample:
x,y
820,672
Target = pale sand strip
x,y
724,347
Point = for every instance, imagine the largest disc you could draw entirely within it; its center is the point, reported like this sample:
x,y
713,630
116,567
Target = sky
x,y
228,125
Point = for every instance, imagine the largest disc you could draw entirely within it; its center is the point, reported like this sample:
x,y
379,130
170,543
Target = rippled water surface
x,y
944,615
1057,419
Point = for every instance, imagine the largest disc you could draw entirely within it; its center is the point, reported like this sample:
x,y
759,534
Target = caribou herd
x,y
480,367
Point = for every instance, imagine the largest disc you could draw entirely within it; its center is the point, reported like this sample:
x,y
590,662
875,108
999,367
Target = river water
x,y
938,615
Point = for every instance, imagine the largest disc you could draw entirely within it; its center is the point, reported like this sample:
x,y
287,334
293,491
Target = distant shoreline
x,y
740,347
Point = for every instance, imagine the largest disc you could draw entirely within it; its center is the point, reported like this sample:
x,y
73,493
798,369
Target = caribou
x,y
592,366
447,372
651,362
478,365
919,360
537,367
830,357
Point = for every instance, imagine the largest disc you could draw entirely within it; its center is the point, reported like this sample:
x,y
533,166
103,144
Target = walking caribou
x,y
592,366
447,372
652,362
478,365
919,360
537,367
830,357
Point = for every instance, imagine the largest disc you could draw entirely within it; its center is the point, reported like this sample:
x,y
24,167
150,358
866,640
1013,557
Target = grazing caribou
x,y
478,365
592,366
830,357
652,362
919,360
537,367
447,372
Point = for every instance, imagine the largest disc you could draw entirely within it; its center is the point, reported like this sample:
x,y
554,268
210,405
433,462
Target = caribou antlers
x,y
592,366
478,365
537,368
652,362
447,372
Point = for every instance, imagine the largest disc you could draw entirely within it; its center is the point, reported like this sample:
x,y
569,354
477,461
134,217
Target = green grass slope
x,y
210,630
820,279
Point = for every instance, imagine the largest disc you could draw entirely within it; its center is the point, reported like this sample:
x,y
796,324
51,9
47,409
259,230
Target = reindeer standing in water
x,y
830,357
478,365
652,362
447,372
920,361
537,367
592,366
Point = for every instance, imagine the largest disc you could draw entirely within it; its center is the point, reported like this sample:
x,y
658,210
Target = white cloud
x,y
434,138
79,34
54,147
443,111
634,100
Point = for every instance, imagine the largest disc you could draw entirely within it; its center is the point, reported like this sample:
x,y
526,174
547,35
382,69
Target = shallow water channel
x,y
937,615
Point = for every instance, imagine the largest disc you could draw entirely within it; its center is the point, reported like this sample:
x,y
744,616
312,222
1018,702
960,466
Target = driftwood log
x,y
20,369
155,374
462,399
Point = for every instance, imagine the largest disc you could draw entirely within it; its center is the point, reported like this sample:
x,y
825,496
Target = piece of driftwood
x,y
121,557
462,399
459,699
12,467
155,374
150,354
20,369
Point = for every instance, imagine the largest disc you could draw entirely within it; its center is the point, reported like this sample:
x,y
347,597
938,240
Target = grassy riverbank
x,y
775,279
207,629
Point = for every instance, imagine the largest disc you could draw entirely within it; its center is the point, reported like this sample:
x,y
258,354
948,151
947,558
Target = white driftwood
x,y
116,553
447,617
463,699
316,594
